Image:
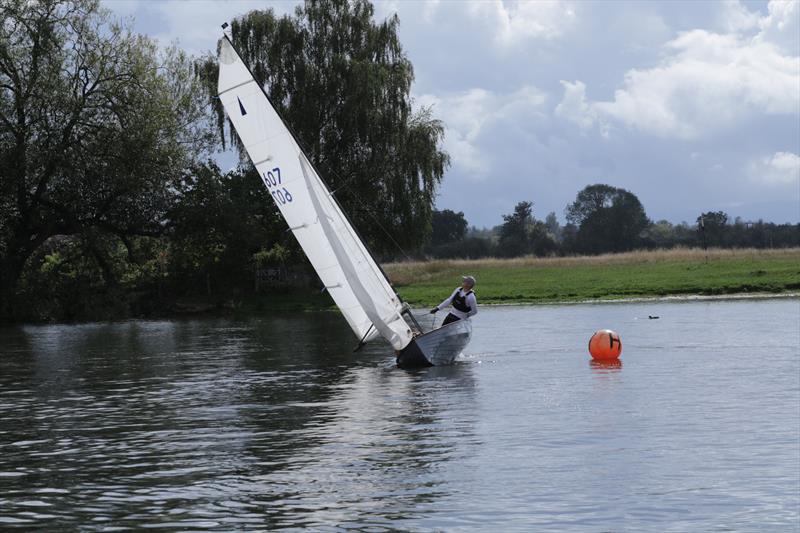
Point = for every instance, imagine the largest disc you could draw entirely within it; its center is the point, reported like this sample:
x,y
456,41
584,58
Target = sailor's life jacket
x,y
460,302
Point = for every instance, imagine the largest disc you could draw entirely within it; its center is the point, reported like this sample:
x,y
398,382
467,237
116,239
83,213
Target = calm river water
x,y
273,423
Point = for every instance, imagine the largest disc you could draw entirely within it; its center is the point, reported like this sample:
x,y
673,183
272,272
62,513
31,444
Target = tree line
x,y
602,219
111,203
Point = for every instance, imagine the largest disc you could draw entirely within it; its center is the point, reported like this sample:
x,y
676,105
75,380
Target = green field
x,y
572,279
607,277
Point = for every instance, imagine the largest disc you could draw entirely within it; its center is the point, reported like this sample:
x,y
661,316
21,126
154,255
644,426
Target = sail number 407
x,y
272,179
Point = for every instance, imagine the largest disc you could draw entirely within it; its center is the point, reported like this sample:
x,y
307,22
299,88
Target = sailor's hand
x,y
434,310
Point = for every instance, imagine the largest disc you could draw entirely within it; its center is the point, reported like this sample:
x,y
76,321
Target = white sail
x,y
385,318
344,265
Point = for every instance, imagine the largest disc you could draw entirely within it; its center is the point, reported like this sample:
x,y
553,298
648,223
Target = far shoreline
x,y
664,276
668,298
242,311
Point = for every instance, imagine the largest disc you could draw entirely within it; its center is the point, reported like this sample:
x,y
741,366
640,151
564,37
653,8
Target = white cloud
x,y
462,115
705,83
782,25
429,10
574,107
781,168
735,17
517,21
470,116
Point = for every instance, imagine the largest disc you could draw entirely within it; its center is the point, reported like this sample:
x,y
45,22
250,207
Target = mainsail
x,y
351,276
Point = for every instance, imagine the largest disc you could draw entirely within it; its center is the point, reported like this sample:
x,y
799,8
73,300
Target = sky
x,y
691,106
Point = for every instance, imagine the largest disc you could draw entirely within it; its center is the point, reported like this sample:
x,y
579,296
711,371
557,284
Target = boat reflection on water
x,y
377,429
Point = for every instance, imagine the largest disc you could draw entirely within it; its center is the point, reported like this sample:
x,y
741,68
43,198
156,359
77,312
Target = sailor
x,y
463,301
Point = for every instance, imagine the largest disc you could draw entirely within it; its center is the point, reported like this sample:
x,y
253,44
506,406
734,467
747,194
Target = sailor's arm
x,y
447,300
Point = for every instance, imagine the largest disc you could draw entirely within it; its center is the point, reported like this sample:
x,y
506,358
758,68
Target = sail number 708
x,y
272,179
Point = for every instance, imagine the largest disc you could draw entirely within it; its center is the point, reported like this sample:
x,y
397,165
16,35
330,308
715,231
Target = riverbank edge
x,y
649,276
258,305
233,309
668,298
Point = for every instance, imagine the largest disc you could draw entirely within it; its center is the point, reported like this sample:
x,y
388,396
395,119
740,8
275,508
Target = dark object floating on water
x,y
651,317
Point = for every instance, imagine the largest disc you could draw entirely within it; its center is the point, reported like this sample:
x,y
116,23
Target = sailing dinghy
x,y
348,271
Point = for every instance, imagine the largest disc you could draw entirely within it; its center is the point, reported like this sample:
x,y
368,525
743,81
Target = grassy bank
x,y
635,274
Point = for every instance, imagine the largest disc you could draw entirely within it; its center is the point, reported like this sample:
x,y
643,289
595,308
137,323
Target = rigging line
x,y
375,218
366,209
343,185
361,204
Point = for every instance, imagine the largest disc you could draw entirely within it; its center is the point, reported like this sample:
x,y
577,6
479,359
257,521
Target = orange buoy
x,y
605,345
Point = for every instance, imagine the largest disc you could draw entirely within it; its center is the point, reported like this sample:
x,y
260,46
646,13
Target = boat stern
x,y
438,347
411,356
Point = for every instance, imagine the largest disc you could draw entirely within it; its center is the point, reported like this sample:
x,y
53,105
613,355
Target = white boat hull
x,y
438,347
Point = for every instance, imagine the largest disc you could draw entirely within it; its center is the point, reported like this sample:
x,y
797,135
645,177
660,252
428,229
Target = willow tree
x,y
95,124
342,82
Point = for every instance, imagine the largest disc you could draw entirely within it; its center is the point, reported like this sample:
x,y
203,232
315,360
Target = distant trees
x,y
718,232
609,219
451,240
343,83
447,226
606,219
554,229
664,234
711,228
522,234
516,231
